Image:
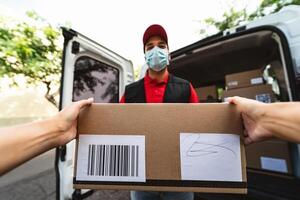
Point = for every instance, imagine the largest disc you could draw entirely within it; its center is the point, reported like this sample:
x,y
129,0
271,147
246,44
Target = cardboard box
x,y
244,79
161,124
261,93
270,155
207,94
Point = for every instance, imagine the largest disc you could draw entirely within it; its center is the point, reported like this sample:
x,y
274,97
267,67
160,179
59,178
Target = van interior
x,y
207,62
208,65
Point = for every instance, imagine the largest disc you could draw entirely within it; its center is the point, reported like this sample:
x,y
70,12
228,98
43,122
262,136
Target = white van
x,y
273,42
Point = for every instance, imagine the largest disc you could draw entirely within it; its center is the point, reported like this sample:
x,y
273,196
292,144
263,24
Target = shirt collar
x,y
154,81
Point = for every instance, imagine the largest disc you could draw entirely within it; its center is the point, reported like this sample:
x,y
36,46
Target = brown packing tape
x,y
162,124
160,188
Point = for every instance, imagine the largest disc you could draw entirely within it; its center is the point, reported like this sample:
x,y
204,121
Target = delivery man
x,y
159,86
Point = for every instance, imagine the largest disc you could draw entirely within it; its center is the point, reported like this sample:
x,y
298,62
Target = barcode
x,y
113,160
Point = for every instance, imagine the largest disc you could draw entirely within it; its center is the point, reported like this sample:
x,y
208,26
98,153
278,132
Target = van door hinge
x,y
75,47
63,152
77,195
241,28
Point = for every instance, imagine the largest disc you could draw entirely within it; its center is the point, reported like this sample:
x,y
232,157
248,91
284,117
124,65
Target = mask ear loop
x,y
169,57
146,61
145,56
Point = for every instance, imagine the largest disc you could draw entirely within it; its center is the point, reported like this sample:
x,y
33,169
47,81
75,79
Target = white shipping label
x,y
111,158
273,164
255,81
210,157
232,83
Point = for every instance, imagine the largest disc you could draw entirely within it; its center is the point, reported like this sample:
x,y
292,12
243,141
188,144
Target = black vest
x,y
177,91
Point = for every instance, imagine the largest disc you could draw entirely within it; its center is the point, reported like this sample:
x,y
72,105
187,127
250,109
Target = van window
x,y
93,78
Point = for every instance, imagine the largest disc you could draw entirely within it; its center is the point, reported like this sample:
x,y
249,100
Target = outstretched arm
x,y
263,121
21,143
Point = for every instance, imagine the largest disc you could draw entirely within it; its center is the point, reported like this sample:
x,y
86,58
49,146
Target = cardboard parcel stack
x,y
269,156
244,79
248,84
161,147
207,94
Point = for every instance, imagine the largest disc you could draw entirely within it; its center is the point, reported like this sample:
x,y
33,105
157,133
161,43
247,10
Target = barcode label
x,y
111,158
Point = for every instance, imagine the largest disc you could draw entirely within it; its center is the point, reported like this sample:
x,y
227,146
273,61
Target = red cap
x,y
155,30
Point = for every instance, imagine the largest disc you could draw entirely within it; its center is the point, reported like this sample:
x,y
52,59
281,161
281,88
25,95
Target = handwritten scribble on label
x,y
199,148
210,156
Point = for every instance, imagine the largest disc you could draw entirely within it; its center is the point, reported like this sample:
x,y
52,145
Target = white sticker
x,y
232,83
255,81
274,164
210,157
111,158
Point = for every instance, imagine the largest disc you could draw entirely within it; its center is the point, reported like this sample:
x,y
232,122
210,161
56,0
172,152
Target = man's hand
x,y
252,113
66,120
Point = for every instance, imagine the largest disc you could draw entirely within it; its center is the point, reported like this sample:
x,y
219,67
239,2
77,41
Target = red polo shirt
x,y
155,90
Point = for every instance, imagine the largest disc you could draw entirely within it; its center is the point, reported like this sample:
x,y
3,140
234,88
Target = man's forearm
x,y
21,143
282,120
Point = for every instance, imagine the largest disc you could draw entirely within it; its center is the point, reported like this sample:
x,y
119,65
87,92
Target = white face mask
x,y
157,58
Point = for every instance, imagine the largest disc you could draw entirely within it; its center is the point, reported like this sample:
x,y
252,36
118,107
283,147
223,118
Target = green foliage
x,y
271,6
137,72
230,19
234,17
31,48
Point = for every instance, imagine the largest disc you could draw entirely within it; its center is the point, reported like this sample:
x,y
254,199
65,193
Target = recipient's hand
x,y
252,114
66,120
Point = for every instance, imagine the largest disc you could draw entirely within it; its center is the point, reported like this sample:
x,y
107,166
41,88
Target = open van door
x,y
88,70
270,44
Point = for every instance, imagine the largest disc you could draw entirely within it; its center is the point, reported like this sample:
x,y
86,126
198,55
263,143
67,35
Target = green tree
x,y
33,49
233,17
137,72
